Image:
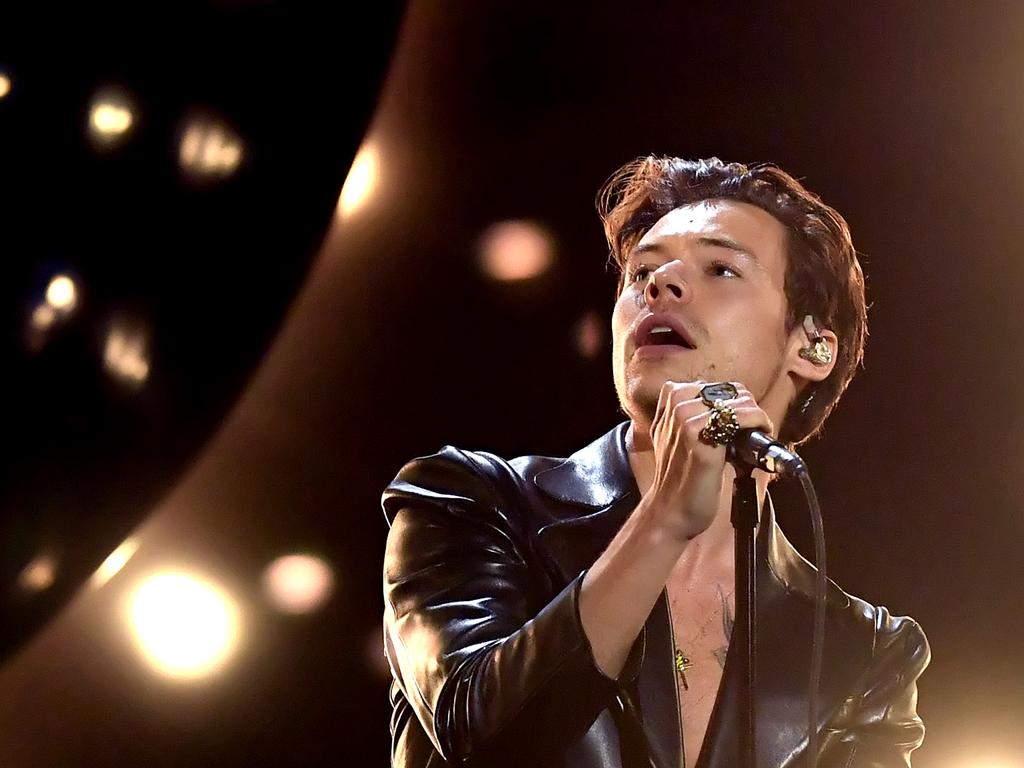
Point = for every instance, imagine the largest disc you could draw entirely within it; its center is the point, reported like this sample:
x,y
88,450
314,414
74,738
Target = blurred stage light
x,y
43,318
115,561
39,574
361,181
40,322
298,583
209,149
62,294
589,335
110,117
515,250
376,658
125,356
5,85
186,627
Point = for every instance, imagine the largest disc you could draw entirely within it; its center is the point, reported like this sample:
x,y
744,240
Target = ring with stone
x,y
722,425
714,393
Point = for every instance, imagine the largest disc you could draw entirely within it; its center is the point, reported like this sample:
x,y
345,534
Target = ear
x,y
806,370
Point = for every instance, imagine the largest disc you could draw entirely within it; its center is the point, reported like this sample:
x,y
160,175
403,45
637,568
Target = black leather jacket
x,y
482,573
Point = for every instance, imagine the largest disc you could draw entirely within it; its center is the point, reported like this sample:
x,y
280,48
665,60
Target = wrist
x,y
663,523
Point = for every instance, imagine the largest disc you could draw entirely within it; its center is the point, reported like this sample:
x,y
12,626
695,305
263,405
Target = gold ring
x,y
722,425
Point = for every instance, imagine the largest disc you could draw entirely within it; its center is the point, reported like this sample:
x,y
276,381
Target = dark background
x,y
299,359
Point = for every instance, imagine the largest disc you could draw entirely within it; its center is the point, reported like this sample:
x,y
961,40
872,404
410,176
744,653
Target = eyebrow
x,y
718,241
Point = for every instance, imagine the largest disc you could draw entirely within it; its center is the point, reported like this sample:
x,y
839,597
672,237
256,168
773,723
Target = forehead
x,y
753,228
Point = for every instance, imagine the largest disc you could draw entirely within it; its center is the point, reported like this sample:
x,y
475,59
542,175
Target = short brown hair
x,y
823,275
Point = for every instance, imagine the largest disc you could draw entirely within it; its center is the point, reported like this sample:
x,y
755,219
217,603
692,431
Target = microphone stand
x,y
744,520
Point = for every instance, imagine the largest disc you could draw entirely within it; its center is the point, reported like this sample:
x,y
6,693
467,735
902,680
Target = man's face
x,y
714,273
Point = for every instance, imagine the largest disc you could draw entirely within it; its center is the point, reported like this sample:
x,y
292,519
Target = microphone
x,y
755,449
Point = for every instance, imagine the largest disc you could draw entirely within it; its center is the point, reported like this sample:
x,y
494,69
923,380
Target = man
x,y
577,612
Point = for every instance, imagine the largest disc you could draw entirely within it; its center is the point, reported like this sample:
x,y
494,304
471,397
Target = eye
x,y
723,269
640,272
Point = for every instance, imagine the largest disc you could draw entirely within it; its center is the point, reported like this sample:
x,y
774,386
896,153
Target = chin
x,y
640,401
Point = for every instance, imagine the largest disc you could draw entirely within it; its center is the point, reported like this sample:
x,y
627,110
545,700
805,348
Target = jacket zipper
x,y
675,682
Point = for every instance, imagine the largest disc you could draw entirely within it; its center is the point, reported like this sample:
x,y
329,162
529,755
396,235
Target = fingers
x,y
681,404
672,394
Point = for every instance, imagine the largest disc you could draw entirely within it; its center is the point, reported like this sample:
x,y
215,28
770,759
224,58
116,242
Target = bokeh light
x,y
589,333
39,574
361,181
5,84
43,318
125,355
209,149
115,561
298,583
62,294
185,626
111,116
516,250
376,658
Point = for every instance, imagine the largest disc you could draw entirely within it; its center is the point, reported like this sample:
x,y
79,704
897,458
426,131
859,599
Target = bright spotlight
x,y
5,85
515,250
298,583
186,627
62,294
110,117
209,149
39,574
360,182
115,561
125,356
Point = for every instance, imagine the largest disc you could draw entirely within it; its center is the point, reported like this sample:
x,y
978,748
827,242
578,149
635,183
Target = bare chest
x,y
702,619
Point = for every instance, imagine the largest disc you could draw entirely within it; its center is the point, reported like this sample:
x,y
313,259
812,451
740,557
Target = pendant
x,y
683,663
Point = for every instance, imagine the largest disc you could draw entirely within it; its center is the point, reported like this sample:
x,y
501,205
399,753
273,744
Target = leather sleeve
x,y
879,728
486,658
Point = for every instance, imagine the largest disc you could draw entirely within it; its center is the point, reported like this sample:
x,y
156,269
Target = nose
x,y
666,284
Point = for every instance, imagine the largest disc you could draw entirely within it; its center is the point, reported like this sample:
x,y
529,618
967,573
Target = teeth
x,y
661,329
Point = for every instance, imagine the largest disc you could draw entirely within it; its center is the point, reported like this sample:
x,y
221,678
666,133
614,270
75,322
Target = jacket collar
x,y
595,476
598,477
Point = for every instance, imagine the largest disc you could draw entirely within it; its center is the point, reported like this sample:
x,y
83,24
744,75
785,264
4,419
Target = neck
x,y
714,547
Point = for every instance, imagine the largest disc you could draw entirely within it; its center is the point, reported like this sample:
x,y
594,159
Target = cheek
x,y
622,317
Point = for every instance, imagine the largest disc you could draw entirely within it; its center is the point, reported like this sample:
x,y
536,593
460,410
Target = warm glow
x,y
38,574
298,583
376,658
5,85
515,250
61,294
589,335
109,120
43,317
125,356
185,626
115,561
209,148
360,182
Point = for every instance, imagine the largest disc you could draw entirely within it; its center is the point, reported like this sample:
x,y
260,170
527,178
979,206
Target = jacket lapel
x,y
785,618
599,479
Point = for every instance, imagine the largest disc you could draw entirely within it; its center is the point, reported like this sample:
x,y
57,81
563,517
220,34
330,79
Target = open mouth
x,y
662,332
662,335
